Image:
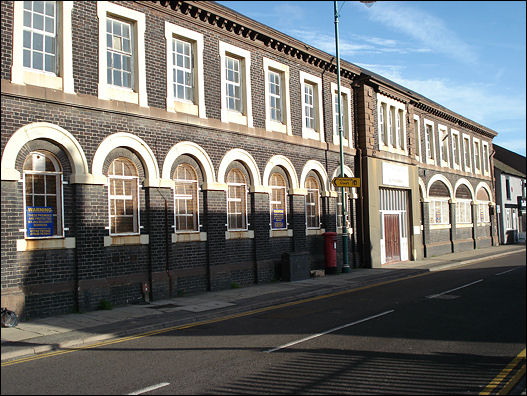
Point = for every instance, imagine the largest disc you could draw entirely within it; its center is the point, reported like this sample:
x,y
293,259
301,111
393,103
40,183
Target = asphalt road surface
x,y
450,332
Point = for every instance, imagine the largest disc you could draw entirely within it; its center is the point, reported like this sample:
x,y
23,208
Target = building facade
x,y
511,194
155,148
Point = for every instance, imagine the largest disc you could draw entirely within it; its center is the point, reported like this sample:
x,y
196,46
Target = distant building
x,y
511,193
159,147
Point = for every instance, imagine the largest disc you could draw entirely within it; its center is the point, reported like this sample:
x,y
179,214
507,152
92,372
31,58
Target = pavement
x,y
82,329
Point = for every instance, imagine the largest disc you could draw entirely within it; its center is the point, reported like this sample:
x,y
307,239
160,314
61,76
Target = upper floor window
x,y
466,153
312,122
123,197
122,72
391,124
42,44
429,142
183,70
443,141
235,85
456,153
485,146
417,132
40,35
185,81
312,203
345,119
236,201
277,102
42,177
383,138
119,53
186,210
477,156
278,202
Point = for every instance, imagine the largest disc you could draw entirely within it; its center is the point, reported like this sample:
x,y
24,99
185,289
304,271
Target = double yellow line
x,y
519,360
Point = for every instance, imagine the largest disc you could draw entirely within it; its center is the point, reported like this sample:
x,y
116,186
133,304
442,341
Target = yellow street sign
x,y
346,181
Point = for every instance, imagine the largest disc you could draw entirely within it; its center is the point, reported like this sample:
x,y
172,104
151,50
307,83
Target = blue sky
x,y
467,56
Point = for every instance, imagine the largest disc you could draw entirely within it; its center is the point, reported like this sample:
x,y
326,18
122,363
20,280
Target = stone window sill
x,y
315,231
189,237
239,234
120,240
280,233
26,245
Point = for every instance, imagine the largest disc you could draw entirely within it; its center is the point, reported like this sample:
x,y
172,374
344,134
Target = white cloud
x,y
422,27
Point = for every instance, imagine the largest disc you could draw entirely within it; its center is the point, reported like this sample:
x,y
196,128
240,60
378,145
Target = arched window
x,y
186,210
312,203
278,202
439,197
339,207
463,205
123,196
42,195
236,201
483,206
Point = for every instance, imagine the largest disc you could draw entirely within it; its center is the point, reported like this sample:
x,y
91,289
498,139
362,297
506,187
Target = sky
x,y
467,56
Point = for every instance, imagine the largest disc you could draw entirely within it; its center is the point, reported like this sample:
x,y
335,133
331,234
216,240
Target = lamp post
x,y
345,266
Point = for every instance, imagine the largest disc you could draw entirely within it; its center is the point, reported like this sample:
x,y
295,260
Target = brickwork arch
x,y
244,157
286,164
128,140
466,183
195,151
485,186
442,179
47,131
317,167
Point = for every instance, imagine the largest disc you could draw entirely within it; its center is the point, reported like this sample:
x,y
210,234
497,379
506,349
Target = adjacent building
x,y
511,193
153,148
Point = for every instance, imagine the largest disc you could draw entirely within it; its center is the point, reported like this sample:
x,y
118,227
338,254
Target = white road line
x,y
451,290
328,331
150,388
504,272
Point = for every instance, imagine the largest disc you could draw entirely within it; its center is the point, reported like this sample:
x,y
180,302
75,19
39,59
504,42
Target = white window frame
x,y
445,217
60,200
246,116
271,202
346,119
64,79
432,160
443,134
417,142
485,158
283,70
318,132
197,107
483,205
466,147
466,203
138,95
177,197
394,132
110,197
245,215
456,137
477,155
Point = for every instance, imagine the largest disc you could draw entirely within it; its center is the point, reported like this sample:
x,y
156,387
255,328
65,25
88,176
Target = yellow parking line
x,y
195,324
513,381
503,374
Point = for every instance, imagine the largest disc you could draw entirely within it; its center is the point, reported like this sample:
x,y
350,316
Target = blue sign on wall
x,y
278,218
39,221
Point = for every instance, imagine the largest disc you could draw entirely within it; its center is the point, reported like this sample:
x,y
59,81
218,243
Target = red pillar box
x,y
330,245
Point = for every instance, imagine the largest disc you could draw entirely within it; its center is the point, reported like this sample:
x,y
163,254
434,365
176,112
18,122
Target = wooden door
x,y
392,243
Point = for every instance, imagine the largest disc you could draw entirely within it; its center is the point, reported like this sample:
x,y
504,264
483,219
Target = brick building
x,y
184,146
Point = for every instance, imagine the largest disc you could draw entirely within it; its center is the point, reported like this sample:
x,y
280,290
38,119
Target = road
x,y
450,332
